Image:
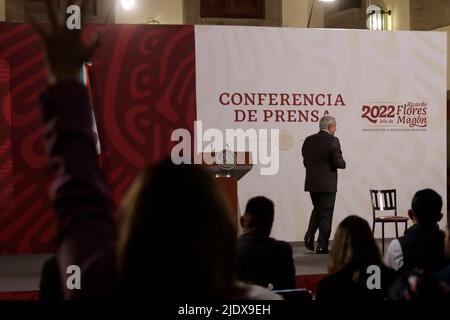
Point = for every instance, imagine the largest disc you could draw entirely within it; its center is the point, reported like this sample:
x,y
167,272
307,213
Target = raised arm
x,y
81,199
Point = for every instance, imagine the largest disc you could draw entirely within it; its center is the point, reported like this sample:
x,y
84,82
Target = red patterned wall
x,y
143,81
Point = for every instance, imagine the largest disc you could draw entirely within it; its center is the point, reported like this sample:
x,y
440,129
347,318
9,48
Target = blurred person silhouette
x,y
443,276
50,289
261,259
422,284
177,215
175,238
354,250
422,245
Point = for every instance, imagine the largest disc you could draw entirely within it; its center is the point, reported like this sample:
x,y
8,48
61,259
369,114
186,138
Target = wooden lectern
x,y
228,176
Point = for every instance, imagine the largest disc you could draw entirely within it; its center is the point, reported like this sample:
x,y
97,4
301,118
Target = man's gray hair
x,y
326,121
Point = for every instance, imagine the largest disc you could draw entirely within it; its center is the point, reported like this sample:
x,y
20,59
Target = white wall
x,y
299,59
401,21
400,14
296,14
165,11
447,29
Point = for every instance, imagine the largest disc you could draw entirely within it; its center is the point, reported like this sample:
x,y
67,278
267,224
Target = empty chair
x,y
382,201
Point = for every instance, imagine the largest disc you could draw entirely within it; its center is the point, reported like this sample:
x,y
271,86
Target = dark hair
x,y
354,247
259,213
426,206
177,239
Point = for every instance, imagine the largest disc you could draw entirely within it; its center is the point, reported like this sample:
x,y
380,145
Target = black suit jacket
x,y
322,156
265,261
340,286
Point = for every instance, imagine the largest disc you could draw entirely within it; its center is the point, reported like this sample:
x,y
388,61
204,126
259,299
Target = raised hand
x,y
65,51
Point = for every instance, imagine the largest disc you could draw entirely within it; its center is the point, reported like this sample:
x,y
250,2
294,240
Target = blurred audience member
x,y
416,284
176,239
443,276
261,259
422,246
421,284
177,216
50,289
354,251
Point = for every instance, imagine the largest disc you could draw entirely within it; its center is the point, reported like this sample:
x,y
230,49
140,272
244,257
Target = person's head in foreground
x,y
423,283
426,207
354,247
177,237
357,271
258,217
328,123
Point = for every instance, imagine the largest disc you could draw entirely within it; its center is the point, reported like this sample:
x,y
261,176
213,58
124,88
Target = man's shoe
x,y
322,251
309,244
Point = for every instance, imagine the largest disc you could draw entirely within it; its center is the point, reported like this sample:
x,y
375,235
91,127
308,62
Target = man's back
x,y
264,261
423,247
322,156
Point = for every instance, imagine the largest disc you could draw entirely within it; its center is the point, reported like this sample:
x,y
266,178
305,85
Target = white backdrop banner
x,y
387,91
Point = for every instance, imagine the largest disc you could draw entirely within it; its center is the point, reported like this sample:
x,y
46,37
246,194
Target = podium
x,y
228,177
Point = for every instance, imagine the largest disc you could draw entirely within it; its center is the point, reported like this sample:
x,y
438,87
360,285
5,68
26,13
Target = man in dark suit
x,y
263,260
322,156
